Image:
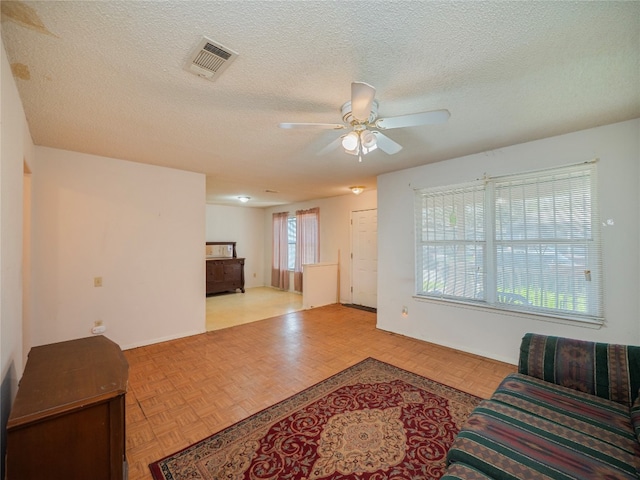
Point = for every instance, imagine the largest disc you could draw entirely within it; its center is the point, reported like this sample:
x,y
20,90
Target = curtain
x,y
307,242
279,266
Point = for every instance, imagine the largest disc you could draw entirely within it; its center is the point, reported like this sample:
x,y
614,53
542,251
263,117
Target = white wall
x,y
244,225
335,232
139,227
498,335
15,149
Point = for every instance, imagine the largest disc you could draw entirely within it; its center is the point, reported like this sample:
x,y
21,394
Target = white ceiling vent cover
x,y
209,59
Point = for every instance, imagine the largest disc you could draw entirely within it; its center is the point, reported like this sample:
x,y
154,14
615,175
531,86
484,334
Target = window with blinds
x,y
524,242
291,242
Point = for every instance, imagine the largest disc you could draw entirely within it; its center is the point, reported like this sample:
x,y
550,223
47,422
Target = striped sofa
x,y
571,412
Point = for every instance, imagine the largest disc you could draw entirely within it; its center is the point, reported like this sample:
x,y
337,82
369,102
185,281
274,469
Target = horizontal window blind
x,y
291,241
523,242
452,246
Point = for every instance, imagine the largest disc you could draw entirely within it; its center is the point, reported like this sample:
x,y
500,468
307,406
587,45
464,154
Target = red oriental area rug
x,y
372,421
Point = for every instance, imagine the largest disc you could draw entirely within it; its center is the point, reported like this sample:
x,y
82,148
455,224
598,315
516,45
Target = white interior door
x,y
364,264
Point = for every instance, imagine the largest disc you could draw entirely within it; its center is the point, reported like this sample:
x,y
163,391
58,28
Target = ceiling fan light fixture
x,y
368,140
370,149
361,151
350,141
360,115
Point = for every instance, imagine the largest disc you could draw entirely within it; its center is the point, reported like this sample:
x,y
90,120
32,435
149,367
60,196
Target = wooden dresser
x,y
68,418
224,274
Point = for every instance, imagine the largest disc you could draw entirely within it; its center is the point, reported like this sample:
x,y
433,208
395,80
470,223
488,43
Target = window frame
x,y
490,288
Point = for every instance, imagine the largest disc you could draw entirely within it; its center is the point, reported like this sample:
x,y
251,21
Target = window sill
x,y
577,322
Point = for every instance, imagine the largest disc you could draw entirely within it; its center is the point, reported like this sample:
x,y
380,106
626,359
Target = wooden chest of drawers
x,y
68,418
225,274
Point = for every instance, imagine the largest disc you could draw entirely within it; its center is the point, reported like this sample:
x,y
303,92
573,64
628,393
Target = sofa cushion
x,y
462,471
593,416
607,370
635,417
507,443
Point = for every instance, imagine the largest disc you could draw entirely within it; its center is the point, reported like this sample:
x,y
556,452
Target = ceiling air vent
x,y
209,59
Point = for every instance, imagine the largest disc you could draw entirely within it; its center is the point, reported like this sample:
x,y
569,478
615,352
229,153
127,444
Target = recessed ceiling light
x,y
357,190
244,199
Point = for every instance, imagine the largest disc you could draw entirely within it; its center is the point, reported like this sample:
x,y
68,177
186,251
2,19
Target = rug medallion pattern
x,y
372,421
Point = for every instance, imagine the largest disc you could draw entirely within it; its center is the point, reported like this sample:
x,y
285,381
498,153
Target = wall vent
x,y
209,59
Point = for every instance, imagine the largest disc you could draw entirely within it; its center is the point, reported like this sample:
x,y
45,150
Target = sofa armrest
x,y
607,370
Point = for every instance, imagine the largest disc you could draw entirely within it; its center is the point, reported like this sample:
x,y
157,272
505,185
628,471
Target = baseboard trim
x,y
144,343
361,307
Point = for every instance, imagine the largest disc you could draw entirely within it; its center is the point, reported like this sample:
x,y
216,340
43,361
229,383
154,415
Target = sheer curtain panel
x,y
307,242
279,267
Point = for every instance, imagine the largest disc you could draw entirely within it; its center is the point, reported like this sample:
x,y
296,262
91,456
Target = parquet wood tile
x,y
187,389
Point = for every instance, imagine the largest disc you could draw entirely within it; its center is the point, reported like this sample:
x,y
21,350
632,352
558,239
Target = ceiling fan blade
x,y
362,95
414,119
387,145
332,146
324,126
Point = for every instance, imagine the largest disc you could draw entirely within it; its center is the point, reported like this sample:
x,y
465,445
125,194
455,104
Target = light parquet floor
x,y
184,390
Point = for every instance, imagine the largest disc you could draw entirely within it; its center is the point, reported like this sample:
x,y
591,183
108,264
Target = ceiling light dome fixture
x,y
351,141
368,139
244,199
357,190
359,142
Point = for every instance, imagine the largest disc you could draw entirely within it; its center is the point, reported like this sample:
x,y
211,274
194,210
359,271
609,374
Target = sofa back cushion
x,y
635,416
607,370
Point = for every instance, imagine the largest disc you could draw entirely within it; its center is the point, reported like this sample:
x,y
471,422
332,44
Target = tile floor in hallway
x,y
226,310
184,390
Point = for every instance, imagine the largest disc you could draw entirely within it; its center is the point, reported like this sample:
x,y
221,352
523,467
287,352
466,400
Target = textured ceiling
x,y
107,78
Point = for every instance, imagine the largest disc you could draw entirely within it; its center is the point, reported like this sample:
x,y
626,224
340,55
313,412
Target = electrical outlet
x,y
97,281
98,327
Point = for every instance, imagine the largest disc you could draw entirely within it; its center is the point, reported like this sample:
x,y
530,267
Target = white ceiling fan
x,y
361,116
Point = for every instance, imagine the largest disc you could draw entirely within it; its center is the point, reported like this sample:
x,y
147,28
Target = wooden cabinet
x,y
68,418
224,274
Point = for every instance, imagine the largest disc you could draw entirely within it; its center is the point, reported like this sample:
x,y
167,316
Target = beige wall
x,y
139,227
497,334
15,150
